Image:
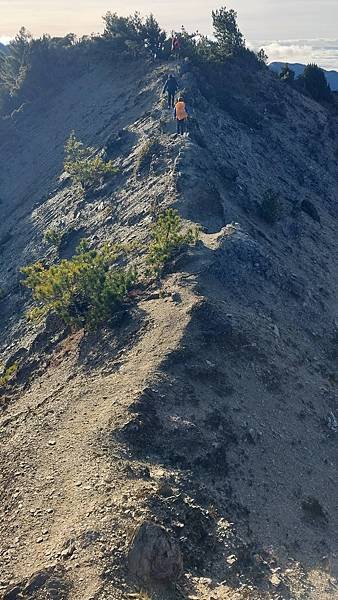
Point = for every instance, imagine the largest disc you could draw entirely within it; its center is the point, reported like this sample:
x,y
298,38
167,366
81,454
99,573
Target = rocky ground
x,y
207,414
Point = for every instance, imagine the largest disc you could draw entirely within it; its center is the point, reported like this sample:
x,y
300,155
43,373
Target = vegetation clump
x,y
14,62
168,237
287,74
314,83
229,38
84,291
262,57
8,374
134,36
270,209
54,237
28,64
83,164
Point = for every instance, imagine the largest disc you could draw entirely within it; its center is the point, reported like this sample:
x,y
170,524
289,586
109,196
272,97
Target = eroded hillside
x,y
209,407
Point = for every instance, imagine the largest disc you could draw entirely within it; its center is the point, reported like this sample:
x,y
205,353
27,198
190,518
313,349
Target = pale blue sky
x,y
295,28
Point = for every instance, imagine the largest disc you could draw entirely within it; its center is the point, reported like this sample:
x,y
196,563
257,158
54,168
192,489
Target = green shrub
x,y
270,208
53,237
167,239
262,57
29,67
145,154
134,36
83,291
314,82
226,31
83,166
8,374
287,74
14,62
153,37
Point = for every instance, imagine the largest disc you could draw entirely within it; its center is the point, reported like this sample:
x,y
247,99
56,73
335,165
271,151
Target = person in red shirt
x,y
175,45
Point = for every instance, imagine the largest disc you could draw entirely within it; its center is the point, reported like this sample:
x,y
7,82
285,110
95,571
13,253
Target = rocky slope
x,y
209,407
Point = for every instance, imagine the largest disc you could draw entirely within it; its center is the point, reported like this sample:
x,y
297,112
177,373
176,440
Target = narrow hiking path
x,y
64,488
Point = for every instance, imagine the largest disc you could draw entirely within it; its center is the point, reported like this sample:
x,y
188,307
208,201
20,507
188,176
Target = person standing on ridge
x,y
175,45
181,115
171,87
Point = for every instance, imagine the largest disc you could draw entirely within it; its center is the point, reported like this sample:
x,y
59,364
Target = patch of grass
x,y
168,237
83,164
83,291
145,155
8,374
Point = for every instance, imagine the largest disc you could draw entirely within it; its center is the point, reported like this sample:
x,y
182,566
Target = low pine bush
x,y
7,375
287,74
83,164
83,291
314,82
53,237
168,237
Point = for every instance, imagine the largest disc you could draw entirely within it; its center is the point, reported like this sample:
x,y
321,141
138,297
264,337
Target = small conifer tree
x,y
315,83
83,166
167,238
229,38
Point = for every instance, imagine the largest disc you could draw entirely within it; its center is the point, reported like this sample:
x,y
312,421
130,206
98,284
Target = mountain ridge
x,y
206,407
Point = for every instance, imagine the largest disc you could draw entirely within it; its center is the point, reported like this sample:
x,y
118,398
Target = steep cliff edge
x,y
210,407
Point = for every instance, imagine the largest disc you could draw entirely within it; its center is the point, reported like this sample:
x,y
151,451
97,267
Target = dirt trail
x,y
63,477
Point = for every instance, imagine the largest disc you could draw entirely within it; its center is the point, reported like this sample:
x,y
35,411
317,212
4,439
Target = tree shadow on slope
x,y
106,348
120,143
192,422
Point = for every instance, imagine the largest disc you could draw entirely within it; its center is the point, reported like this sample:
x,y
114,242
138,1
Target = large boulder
x,y
154,555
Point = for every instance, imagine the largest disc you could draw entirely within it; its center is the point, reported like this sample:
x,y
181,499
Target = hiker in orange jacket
x,y
181,115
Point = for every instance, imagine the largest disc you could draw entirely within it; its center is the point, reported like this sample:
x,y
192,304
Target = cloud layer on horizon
x,y
323,52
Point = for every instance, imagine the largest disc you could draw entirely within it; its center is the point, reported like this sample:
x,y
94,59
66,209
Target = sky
x,y
289,30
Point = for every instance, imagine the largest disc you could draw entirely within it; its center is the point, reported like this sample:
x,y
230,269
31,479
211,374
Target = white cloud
x,y
323,52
